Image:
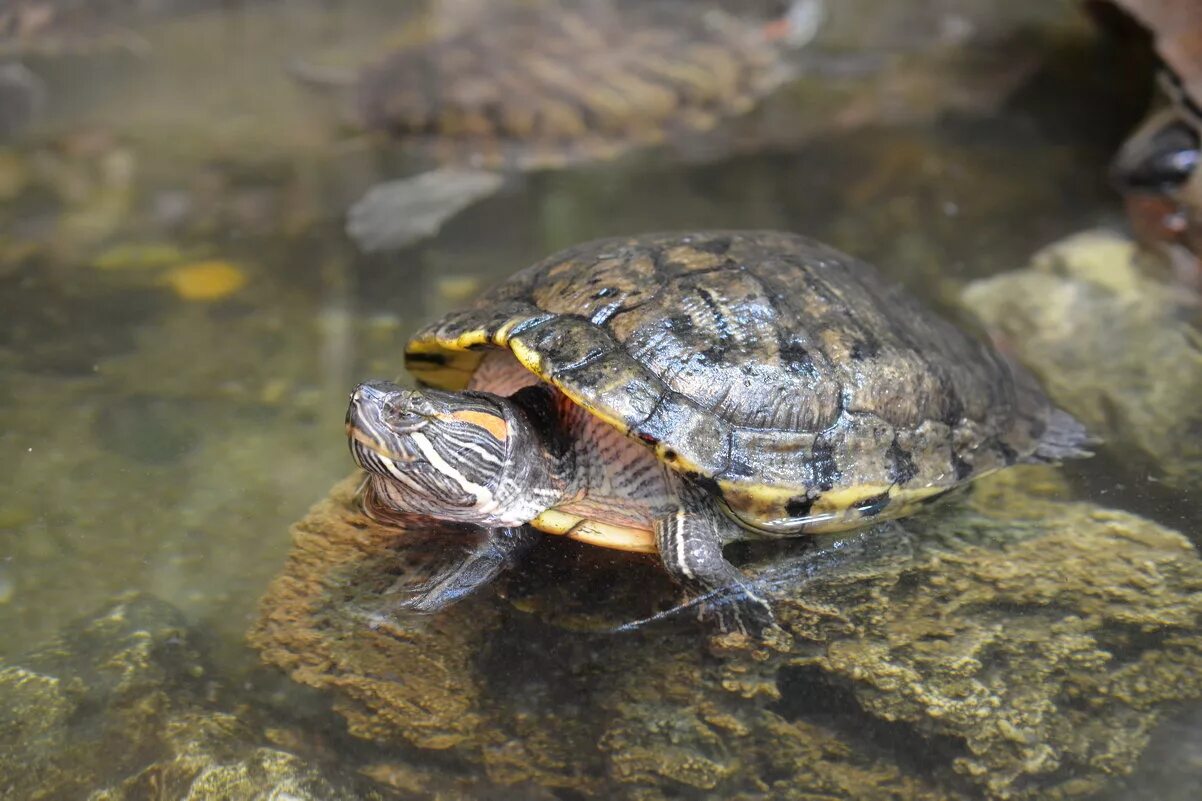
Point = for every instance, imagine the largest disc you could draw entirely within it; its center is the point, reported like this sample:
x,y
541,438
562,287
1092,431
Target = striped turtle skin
x,y
673,393
542,84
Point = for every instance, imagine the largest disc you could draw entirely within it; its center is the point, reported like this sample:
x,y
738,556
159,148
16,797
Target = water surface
x,y
161,435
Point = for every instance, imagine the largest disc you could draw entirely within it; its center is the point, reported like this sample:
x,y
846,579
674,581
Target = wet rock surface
x,y
1011,644
1171,767
118,707
1114,346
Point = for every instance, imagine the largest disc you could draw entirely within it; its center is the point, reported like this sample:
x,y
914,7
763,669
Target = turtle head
x,y
1159,172
795,23
460,456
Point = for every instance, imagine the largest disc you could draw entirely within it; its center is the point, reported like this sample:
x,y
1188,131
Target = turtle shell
x,y
544,84
789,378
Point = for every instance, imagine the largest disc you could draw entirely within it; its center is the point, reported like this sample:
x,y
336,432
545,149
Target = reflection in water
x,y
181,316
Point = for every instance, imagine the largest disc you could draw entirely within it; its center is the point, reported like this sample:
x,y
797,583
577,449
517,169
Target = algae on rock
x,y
1010,644
116,708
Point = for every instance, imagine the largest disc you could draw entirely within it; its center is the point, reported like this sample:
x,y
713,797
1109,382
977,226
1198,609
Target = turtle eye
x,y
404,420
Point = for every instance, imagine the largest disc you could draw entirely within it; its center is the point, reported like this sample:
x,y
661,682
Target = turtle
x,y
524,86
1156,169
672,393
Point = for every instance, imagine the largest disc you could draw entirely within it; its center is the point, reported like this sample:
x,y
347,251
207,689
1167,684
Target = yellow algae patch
x,y
206,280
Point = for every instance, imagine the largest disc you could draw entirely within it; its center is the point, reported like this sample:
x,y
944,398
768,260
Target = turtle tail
x,y
1064,438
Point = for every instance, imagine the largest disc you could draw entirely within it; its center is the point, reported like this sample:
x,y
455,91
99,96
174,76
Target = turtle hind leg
x,y
499,549
690,545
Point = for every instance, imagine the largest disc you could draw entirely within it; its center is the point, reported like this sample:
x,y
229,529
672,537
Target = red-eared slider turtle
x,y
534,85
673,393
1157,168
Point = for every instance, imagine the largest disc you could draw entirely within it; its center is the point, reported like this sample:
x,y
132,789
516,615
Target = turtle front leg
x,y
500,548
690,545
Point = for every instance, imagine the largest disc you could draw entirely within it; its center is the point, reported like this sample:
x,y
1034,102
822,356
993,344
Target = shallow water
x,y
181,316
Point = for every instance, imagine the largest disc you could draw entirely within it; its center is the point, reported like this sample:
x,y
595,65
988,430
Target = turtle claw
x,y
451,585
740,610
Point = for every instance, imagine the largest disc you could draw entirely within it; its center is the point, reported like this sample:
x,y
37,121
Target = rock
x,y
1171,767
117,707
1033,643
1009,644
315,624
1113,346
198,774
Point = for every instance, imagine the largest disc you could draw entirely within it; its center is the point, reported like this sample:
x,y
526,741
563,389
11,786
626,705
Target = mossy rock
x,y
1010,644
117,707
1114,346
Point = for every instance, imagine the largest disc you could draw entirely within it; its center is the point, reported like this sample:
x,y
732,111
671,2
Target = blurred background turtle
x,y
479,92
1157,167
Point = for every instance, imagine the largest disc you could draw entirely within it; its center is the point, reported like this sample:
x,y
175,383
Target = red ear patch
x,y
489,422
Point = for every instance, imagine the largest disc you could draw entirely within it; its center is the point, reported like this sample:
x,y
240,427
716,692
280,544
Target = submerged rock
x,y
116,708
1008,645
1118,349
1171,767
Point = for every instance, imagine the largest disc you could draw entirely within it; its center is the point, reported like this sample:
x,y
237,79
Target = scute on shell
x,y
791,378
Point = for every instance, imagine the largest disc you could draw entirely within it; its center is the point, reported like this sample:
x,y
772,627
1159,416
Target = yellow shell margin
x,y
749,504
461,356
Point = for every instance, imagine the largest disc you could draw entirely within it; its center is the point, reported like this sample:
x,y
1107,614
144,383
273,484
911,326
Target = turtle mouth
x,y
360,440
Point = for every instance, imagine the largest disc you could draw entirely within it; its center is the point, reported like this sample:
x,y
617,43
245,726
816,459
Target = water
x,y
181,318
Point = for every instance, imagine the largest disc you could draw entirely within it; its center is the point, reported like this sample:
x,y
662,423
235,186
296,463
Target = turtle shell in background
x,y
530,85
